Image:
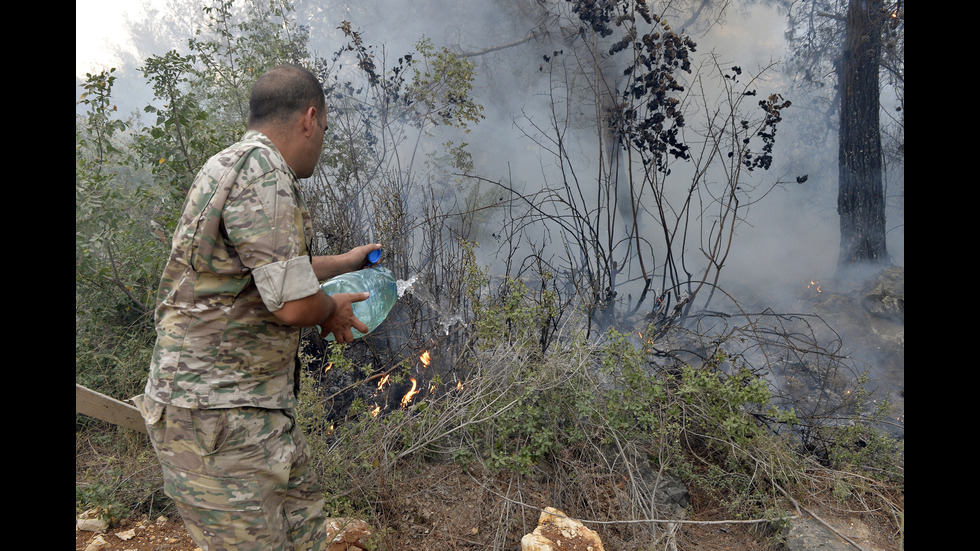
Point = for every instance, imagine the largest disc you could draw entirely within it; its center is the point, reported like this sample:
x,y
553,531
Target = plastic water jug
x,y
379,281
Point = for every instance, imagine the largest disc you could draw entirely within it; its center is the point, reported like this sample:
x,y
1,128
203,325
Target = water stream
x,y
447,320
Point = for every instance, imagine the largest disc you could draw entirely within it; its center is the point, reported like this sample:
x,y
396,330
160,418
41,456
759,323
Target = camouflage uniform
x,y
219,398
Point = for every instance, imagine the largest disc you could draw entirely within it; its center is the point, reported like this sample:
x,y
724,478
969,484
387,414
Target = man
x,y
238,286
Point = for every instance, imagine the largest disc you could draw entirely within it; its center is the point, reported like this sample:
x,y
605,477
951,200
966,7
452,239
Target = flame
x,y
814,284
325,369
425,358
375,411
459,385
383,381
410,394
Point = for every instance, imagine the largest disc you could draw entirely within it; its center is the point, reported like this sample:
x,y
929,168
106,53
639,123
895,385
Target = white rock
x,y
91,524
98,542
570,532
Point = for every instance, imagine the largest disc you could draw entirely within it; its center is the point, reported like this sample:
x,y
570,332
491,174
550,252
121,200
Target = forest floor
x,y
442,507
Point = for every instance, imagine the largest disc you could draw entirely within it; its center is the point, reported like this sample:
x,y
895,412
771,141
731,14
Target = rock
x,y
557,532
884,295
91,521
97,543
91,524
669,497
808,534
348,534
126,535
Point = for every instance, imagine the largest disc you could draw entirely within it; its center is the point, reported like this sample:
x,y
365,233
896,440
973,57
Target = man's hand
x,y
342,319
362,254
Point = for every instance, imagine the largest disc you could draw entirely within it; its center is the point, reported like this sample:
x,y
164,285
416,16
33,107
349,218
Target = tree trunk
x,y
860,200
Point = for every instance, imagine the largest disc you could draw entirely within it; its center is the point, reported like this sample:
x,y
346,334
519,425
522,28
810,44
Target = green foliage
x,y
114,363
632,390
578,404
98,120
441,89
726,403
181,136
430,87
583,401
202,96
383,115
346,451
117,474
860,444
537,425
119,249
512,313
118,258
103,498
328,466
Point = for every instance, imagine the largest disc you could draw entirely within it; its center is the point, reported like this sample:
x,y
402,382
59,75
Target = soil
x,y
148,535
444,508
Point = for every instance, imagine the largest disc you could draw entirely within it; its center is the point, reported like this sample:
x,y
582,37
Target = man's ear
x,y
309,121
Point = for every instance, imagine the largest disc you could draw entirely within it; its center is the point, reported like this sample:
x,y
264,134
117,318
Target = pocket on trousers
x,y
210,428
216,493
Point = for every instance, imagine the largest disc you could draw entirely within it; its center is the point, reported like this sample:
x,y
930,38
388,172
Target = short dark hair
x,y
283,92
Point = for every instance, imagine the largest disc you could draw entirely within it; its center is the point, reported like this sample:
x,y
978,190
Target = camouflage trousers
x,y
239,477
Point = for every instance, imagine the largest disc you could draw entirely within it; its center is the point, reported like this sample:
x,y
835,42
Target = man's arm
x,y
307,311
316,308
334,314
326,267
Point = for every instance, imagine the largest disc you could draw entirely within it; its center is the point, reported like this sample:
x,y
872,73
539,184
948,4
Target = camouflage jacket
x,y
239,252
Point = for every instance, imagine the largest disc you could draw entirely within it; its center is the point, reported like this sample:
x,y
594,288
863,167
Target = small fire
x,y
425,358
375,411
384,381
407,398
459,385
814,284
325,369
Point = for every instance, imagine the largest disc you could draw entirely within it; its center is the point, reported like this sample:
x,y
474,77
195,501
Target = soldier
x,y
238,287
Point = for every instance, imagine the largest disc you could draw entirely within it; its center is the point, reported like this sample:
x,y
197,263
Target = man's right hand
x,y
342,319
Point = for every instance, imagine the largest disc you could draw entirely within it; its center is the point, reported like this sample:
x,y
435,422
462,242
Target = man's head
x,y
283,93
287,105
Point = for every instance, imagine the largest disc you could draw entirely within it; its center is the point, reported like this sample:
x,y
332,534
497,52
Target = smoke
x,y
518,90
791,234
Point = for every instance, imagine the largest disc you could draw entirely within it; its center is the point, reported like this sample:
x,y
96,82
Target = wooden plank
x,y
91,403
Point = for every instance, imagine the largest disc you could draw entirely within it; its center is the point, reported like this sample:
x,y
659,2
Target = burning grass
x,y
606,431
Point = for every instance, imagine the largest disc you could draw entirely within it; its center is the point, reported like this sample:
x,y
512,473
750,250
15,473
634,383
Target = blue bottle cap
x,y
374,256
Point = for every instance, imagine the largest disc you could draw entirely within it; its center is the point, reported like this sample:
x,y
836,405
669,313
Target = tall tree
x,y
872,35
860,197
